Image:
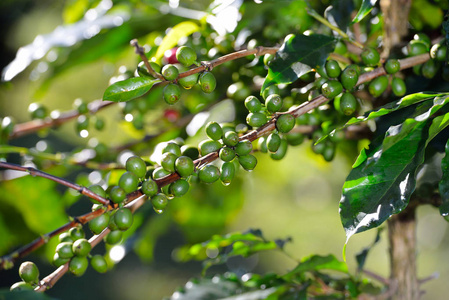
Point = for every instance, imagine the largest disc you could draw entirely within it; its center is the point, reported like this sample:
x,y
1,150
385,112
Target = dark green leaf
x,y
381,183
365,8
339,13
128,89
439,100
297,56
207,289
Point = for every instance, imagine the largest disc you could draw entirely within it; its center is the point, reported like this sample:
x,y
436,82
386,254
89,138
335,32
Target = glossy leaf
x,y
393,107
381,182
297,56
365,8
178,31
128,89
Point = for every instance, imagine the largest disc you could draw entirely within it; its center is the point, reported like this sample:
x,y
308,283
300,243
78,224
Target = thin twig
x,y
141,52
50,280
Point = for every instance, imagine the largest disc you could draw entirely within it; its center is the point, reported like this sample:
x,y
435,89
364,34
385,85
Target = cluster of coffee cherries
x,y
421,44
83,122
187,57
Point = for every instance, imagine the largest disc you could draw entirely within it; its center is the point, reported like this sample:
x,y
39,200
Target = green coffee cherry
x,y
281,152
294,138
123,218
231,138
207,82
142,69
348,104
37,111
76,233
267,58
159,173
81,247
331,88
253,104
170,72
333,70
438,52
189,82
99,264
329,151
190,151
429,69
370,57
59,261
179,188
149,187
226,154
227,172
416,48
99,124
114,237
285,123
136,165
209,174
98,224
378,85
128,182
398,87
318,148
64,250
97,189
341,48
208,146
273,103
65,237
20,286
272,89
214,131
256,119
262,145
81,106
392,66
243,148
159,201
168,161
184,166
172,92
273,142
186,56
248,162
349,77
173,148
29,272
78,265
422,38
117,194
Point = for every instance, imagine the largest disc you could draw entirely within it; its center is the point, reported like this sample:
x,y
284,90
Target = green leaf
x,y
178,31
128,89
392,107
383,177
444,183
297,56
340,13
365,8
317,263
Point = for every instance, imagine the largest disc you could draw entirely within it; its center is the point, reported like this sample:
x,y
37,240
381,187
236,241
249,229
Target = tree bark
x,y
395,22
402,238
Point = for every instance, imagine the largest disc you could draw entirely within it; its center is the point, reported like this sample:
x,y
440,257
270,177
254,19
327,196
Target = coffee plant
x,y
211,90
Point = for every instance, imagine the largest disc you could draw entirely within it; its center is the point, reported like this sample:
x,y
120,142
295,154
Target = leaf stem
x,y
325,22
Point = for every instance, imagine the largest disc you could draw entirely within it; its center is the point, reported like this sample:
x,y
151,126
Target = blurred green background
x,y
296,197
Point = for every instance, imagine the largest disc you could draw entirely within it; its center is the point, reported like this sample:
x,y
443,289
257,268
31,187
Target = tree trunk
x,y
402,238
395,22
